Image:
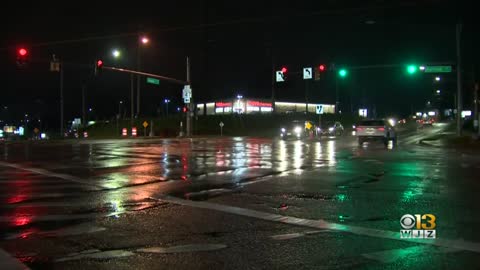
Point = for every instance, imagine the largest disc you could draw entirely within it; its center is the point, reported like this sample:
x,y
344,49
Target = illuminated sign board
x,y
255,103
223,104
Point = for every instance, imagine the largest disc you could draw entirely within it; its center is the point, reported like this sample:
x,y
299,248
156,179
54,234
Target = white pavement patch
x,y
323,225
296,235
8,262
96,254
390,256
182,249
33,218
50,174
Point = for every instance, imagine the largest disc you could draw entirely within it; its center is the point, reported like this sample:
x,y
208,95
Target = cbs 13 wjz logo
x,y
418,226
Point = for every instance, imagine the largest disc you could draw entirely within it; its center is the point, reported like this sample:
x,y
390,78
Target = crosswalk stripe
x,y
322,224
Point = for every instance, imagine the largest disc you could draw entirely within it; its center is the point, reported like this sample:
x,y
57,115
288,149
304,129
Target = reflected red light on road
x,y
17,199
21,220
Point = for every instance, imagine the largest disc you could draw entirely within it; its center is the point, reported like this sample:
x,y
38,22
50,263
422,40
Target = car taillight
x,y
381,129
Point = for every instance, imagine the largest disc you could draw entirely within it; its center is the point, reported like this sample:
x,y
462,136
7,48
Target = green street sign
x,y
153,81
438,69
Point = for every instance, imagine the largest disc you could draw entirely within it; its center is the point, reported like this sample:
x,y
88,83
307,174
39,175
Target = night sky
x,y
232,46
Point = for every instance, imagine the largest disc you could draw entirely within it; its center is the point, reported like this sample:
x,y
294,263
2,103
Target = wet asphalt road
x,y
237,203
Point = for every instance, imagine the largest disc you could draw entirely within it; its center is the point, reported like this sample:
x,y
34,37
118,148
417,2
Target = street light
x,y
142,40
166,101
438,92
437,78
116,53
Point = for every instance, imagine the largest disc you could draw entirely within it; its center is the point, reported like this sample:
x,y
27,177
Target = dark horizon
x,y
231,51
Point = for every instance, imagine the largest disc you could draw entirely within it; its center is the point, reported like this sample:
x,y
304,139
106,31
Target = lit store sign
x,y
223,104
258,104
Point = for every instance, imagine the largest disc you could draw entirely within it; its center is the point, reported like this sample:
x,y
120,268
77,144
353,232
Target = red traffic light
x,y
22,52
322,68
99,63
185,109
284,70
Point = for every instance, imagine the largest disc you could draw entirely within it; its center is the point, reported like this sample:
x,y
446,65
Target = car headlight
x,y
283,129
298,129
330,129
391,121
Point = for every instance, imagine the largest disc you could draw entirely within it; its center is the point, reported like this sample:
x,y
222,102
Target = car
x,y
332,129
375,130
298,129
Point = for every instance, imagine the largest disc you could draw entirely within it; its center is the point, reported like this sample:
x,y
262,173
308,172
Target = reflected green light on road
x,y
341,197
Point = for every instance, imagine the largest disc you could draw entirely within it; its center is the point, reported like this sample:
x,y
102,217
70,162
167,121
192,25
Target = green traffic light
x,y
411,69
343,73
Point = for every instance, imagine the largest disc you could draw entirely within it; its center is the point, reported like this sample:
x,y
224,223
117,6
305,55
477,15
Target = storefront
x,y
251,106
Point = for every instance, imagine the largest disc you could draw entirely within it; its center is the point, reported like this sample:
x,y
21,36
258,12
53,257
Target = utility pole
x,y
273,83
306,97
138,75
84,118
459,79
61,101
189,105
132,100
336,94
475,114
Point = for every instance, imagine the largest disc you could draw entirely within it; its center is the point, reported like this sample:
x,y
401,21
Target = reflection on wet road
x,y
55,190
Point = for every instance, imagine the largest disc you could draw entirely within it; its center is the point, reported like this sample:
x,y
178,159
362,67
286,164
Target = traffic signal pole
x,y
61,101
459,80
189,112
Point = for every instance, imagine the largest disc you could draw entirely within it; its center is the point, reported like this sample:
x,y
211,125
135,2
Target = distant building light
x,y
43,135
466,113
363,112
422,68
239,96
418,114
432,113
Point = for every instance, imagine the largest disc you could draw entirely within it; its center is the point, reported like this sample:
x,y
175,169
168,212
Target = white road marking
x,y
296,235
323,225
183,248
96,254
50,174
389,256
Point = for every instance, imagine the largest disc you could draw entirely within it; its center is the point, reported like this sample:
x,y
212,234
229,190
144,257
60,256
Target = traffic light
x,y
185,109
284,70
98,66
412,69
22,57
343,73
321,68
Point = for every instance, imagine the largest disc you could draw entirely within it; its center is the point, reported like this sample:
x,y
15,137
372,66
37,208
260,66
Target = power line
x,y
217,24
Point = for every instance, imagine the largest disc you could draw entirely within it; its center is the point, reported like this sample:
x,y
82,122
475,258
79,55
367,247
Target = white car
x,y
375,130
